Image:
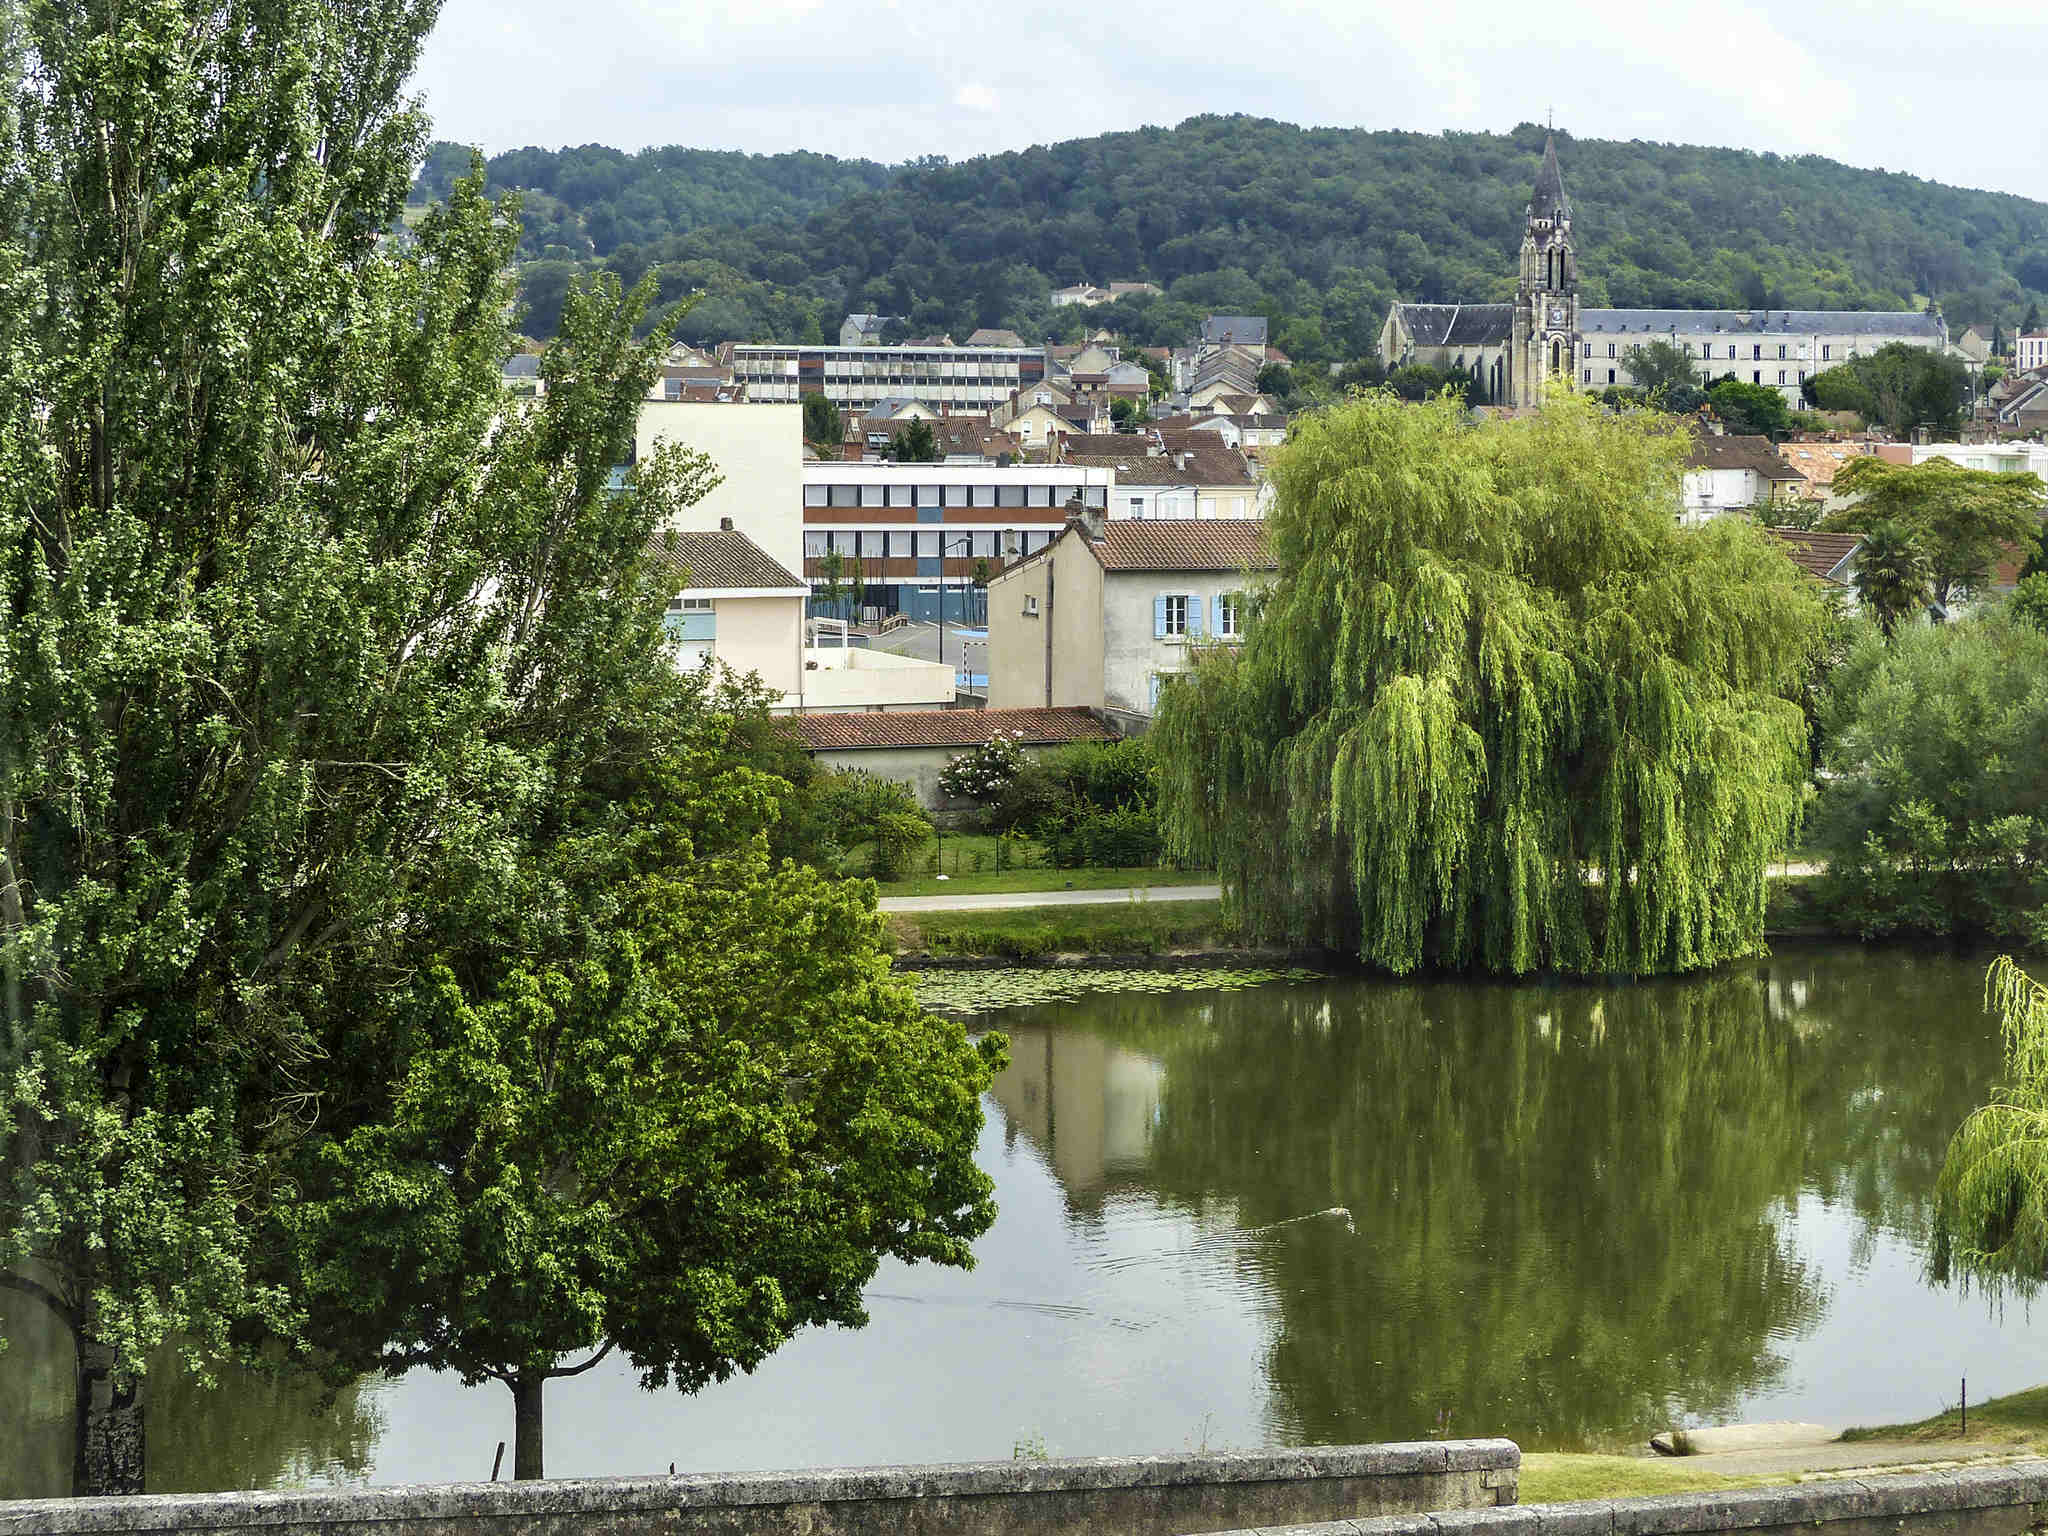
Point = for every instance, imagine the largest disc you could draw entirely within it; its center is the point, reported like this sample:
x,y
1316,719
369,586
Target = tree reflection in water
x,y
1571,1202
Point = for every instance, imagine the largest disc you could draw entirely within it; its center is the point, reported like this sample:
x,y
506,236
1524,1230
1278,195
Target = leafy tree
x,y
1963,520
822,424
1898,387
1990,1216
1750,408
1658,367
1128,415
1364,374
1276,380
1891,578
2031,326
2030,601
1498,711
685,1123
1934,808
833,589
915,444
1419,381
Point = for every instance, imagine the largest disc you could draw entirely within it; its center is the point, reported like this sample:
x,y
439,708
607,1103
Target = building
x,y
2030,351
1819,463
910,537
1830,557
914,746
1509,353
734,605
1186,476
2009,458
757,451
1078,293
1112,610
858,377
991,336
1738,473
863,330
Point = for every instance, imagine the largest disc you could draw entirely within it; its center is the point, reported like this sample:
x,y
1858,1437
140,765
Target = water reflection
x,y
1577,1211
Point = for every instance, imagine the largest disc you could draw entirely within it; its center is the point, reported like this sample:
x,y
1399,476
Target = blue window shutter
x,y
1158,618
1154,700
1194,617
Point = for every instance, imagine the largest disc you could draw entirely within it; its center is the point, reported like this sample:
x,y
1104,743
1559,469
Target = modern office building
x,y
910,537
854,378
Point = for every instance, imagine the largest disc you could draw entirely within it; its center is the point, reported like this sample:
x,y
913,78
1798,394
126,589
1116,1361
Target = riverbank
x,y
1136,928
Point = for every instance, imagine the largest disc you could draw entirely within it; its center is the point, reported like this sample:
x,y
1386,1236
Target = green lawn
x,y
1550,1477
2017,1418
970,861
1028,933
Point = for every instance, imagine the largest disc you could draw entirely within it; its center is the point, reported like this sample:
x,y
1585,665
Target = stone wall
x,y
1099,1496
1970,1501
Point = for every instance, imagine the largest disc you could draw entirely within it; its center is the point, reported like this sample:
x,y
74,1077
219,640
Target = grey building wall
x,y
1132,655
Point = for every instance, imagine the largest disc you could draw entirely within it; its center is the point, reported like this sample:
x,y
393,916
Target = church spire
x,y
1548,201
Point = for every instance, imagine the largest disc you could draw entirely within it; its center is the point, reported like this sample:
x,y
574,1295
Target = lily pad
x,y
964,994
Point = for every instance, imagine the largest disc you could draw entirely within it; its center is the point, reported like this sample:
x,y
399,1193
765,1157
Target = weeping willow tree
x,y
1991,1202
1498,709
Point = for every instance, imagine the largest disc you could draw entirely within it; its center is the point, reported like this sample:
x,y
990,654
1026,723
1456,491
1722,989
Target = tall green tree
x,y
1964,521
683,1116
822,424
1499,711
1659,367
915,444
1991,1203
1891,581
1750,408
298,626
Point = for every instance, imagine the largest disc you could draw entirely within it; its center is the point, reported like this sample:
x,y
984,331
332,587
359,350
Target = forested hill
x,y
1318,228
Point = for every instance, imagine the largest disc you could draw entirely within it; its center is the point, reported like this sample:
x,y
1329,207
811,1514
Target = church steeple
x,y
1548,202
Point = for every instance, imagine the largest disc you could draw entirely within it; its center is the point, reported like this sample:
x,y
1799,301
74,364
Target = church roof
x,y
1548,200
1764,322
1458,325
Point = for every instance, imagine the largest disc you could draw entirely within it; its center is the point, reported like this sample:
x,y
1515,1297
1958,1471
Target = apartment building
x,y
910,536
1780,348
855,378
2030,351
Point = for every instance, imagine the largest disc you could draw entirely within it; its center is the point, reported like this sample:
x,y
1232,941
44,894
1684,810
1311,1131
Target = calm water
x,y
1578,1213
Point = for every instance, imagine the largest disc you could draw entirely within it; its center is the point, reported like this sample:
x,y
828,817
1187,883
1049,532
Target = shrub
x,y
1106,774
1110,839
854,806
982,773
1934,813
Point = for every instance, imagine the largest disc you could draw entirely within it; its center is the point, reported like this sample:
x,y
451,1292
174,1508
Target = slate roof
x,y
1548,200
1458,325
1235,330
717,559
1763,322
992,336
1743,450
1821,554
1183,546
855,730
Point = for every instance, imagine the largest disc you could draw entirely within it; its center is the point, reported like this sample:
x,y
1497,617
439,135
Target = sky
x,y
1946,92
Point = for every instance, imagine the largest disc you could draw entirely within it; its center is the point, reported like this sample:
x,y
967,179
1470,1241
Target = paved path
x,y
1012,900
1846,1459
1002,900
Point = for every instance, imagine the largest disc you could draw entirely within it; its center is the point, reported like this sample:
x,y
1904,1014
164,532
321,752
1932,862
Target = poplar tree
x,y
299,623
1497,710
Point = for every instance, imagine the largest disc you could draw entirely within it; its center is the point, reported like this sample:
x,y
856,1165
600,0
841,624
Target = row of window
x,y
1178,616
1756,376
924,544
1756,350
900,494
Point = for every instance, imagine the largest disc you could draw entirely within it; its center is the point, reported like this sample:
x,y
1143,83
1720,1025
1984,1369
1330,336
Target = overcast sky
x,y
1947,92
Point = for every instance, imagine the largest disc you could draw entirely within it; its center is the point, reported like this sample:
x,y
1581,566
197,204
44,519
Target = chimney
x,y
1092,521
725,525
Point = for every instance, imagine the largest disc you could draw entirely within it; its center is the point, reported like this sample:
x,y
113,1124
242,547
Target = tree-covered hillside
x,y
1318,228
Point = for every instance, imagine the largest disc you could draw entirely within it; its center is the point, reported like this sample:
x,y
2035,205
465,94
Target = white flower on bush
x,y
984,772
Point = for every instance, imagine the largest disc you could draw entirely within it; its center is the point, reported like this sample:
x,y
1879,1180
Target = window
x,y
1756,375
1802,375
899,495
873,495
1030,605
1137,506
928,545
1826,351
899,546
1009,495
984,495
1040,496
1781,349
982,545
1589,375
1781,375
1589,349
1610,375
814,543
956,495
928,496
1610,349
1095,496
845,496
816,496
1173,617
689,605
1226,615
1756,353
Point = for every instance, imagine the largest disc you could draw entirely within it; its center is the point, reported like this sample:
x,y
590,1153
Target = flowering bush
x,y
982,773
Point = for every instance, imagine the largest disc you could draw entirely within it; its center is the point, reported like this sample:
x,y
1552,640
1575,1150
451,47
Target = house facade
x,y
1737,473
2030,351
1112,611
734,606
1181,476
858,377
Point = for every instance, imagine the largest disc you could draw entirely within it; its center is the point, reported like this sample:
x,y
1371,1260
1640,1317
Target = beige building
x,y
758,451
734,607
1111,611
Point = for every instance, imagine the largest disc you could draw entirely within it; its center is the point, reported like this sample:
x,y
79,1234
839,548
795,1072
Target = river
x,y
1575,1213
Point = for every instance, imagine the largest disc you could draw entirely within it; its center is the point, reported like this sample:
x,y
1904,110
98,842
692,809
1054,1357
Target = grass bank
x,y
1552,1477
2019,1418
1004,881
1031,933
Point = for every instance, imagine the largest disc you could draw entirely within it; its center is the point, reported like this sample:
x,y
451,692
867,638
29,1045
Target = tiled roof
x,y
1191,458
991,336
945,727
1184,546
1742,450
717,559
1820,462
1458,325
1235,330
1820,553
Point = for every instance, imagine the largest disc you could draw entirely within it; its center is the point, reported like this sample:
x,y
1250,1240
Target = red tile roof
x,y
1184,545
944,728
1819,553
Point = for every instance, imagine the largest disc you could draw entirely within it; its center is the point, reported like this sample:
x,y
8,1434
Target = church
x,y
1513,352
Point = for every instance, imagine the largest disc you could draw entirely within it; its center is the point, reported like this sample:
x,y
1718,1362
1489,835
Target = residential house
x,y
990,336
2026,406
972,440
1828,557
863,330
1820,463
734,605
2030,351
1111,611
1974,345
886,418
521,375
692,373
913,747
1078,293
1134,290
1188,476
1235,331
1735,474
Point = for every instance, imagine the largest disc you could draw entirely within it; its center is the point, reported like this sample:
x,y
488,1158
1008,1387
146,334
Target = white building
x,y
1999,458
1781,348
1736,473
2030,351
855,378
